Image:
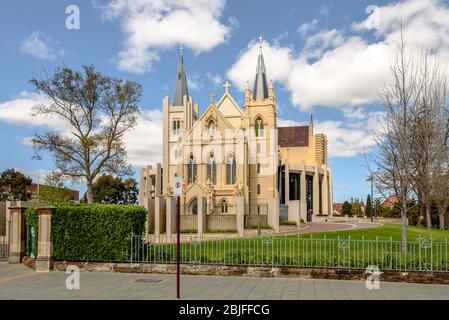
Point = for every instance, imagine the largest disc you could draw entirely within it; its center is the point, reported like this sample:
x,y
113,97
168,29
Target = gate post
x,y
17,234
44,261
201,215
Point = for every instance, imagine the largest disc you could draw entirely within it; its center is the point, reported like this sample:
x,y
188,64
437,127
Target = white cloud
x,y
349,137
153,25
342,68
306,27
143,143
217,78
18,111
39,45
278,61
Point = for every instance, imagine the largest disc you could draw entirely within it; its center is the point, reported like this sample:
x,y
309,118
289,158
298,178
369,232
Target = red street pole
x,y
178,218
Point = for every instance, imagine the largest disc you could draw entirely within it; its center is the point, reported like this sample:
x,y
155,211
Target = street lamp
x,y
373,207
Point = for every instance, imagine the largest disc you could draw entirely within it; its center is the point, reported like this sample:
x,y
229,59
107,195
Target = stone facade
x,y
233,154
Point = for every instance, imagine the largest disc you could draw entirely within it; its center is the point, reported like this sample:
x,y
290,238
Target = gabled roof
x,y
227,96
220,115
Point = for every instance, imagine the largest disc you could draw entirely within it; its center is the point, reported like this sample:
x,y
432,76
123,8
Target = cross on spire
x,y
181,48
212,96
227,85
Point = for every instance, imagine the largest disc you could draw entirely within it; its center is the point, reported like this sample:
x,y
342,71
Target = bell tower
x,y
260,114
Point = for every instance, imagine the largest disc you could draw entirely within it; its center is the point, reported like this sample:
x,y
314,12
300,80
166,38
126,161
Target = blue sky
x,y
326,58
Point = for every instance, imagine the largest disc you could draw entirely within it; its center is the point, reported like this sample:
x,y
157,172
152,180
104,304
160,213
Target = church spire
x,y
181,83
260,84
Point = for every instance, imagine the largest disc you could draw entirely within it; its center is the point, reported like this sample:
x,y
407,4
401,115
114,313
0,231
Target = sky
x,y
326,58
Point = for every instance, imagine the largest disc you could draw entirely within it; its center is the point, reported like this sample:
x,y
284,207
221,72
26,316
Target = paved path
x,y
326,227
20,282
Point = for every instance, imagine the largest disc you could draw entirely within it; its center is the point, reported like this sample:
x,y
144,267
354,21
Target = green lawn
x,y
383,232
344,249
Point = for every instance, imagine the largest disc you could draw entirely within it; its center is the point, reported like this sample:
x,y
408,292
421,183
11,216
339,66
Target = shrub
x,y
95,232
288,223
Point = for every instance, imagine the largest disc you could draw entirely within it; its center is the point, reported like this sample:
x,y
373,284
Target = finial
x,y
260,43
212,96
180,49
311,118
226,86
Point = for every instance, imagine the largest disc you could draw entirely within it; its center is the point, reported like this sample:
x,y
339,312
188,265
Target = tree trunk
x,y
404,227
89,193
441,218
428,217
422,212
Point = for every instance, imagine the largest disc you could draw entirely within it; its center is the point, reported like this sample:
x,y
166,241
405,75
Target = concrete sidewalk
x,y
20,282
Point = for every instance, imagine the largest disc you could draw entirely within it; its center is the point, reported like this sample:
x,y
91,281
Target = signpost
x,y
177,192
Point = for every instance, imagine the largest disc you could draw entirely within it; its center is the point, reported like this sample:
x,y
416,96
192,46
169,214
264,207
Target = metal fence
x,y
423,255
4,248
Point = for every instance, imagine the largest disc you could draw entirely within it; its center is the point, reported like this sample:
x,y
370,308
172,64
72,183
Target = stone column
x,y
201,215
324,194
8,220
331,194
316,192
159,216
287,182
273,213
158,184
170,208
44,261
302,193
17,234
240,215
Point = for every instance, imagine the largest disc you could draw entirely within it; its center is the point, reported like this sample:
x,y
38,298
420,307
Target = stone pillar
x,y
158,184
150,205
44,260
201,215
17,234
240,215
316,192
302,193
8,220
287,182
324,194
273,213
331,194
159,216
170,207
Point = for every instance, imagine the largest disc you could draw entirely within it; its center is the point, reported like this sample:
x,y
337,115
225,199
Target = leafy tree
x,y
347,209
369,206
109,189
13,186
53,192
98,111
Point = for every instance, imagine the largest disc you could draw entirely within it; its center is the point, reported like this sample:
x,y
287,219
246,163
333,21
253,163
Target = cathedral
x,y
239,169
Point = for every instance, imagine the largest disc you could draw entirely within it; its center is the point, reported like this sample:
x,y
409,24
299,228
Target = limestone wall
x,y
222,222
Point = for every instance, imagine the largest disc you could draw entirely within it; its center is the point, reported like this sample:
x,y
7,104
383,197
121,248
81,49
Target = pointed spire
x,y
181,83
260,84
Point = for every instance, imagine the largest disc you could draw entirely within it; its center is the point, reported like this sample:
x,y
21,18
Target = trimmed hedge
x,y
95,232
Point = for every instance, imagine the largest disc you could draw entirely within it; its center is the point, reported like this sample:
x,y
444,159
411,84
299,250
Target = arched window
x,y
258,189
193,207
259,127
258,168
230,169
191,170
224,206
211,128
211,169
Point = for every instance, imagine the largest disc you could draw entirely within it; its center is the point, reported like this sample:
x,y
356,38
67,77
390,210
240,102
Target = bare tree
x,y
98,111
394,173
430,130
